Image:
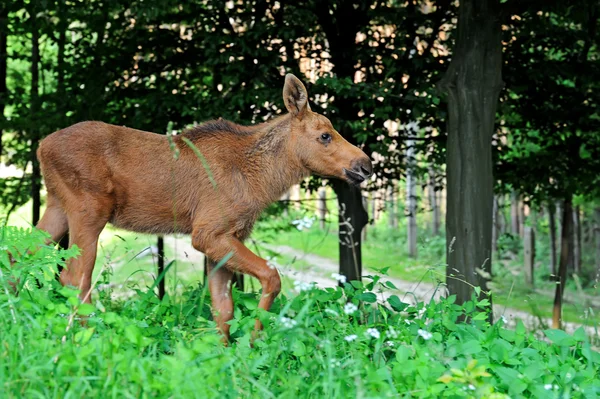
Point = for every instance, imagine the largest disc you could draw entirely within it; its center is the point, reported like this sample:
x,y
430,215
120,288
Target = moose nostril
x,y
365,167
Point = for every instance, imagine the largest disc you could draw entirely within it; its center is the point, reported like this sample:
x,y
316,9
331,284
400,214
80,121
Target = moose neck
x,y
274,165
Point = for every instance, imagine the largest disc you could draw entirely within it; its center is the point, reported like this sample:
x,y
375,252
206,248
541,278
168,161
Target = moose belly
x,y
151,215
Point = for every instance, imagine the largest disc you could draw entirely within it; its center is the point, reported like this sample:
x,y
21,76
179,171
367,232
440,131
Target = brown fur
x,y
97,173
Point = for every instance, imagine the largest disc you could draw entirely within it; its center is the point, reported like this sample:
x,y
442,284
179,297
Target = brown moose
x,y
97,173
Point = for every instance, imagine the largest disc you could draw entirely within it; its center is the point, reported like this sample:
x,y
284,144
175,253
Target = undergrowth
x,y
350,341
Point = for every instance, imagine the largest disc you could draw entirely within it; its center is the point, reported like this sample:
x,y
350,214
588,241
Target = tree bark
x,y
577,240
514,213
529,254
566,257
552,227
495,224
393,219
352,219
597,239
322,207
411,198
3,64
160,245
473,84
34,109
433,203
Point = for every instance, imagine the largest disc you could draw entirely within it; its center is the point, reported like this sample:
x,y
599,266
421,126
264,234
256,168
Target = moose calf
x,y
97,173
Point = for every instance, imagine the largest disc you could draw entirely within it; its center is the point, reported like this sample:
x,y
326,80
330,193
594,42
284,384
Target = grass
x,y
334,343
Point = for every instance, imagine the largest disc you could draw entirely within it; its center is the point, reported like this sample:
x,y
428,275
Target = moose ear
x,y
295,96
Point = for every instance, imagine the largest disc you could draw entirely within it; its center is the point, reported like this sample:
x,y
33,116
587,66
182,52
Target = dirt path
x,y
321,269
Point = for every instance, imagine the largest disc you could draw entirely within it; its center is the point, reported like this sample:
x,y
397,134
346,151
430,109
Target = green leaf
x,y
396,303
86,309
559,337
368,297
298,348
471,347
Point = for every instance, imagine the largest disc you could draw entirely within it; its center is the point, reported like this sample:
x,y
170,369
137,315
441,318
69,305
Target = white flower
x,y
287,322
372,332
304,223
472,387
350,308
339,277
335,362
548,387
389,343
426,335
351,337
392,333
302,286
504,320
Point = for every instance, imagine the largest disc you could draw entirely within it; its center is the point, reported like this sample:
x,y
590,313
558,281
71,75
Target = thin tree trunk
x,y
322,207
433,203
514,213
522,214
3,63
392,218
160,244
552,227
34,109
577,240
473,84
566,256
597,240
411,198
495,228
352,219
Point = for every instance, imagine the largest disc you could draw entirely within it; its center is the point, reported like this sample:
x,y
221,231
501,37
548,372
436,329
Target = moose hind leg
x,y
219,284
85,226
54,221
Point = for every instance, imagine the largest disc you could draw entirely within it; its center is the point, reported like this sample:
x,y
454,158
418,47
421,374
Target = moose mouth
x,y
353,177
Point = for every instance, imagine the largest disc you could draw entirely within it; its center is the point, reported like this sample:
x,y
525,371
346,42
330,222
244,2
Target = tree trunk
x,y
495,226
577,240
160,244
393,219
473,84
566,257
34,109
522,215
352,219
529,254
364,235
433,203
597,240
411,198
3,63
322,207
514,213
552,227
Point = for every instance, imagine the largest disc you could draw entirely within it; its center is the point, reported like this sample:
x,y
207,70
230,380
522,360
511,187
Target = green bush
x,y
342,342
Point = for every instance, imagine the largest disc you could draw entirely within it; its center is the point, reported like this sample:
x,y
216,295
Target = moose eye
x,y
326,137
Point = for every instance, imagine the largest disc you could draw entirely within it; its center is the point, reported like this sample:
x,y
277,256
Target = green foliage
x,y
337,342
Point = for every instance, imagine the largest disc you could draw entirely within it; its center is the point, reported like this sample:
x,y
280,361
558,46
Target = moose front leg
x,y
241,260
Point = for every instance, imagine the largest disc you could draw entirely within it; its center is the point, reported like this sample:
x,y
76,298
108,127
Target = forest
x,y
467,265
